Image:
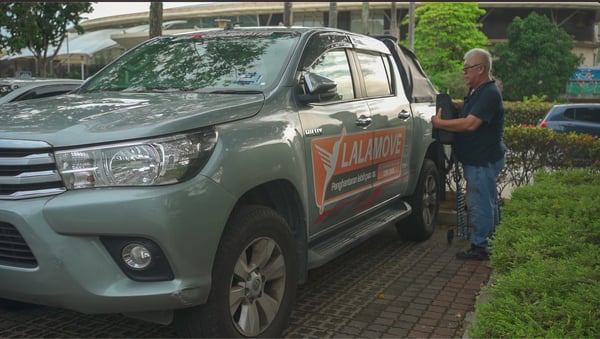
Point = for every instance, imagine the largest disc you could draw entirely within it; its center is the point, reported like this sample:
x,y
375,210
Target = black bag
x,y
449,111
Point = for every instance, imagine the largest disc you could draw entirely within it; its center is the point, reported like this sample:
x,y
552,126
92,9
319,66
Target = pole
x,y
411,26
68,56
288,14
333,14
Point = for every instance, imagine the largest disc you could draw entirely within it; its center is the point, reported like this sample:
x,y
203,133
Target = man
x,y
479,147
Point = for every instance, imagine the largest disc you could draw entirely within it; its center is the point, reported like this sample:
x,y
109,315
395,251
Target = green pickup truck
x,y
197,178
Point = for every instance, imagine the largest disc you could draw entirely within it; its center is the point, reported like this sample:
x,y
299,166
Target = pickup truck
x,y
197,178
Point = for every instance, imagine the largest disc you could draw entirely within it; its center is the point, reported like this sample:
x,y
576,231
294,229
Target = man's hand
x,y
435,120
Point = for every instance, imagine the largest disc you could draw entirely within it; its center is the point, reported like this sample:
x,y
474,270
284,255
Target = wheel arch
x,y
437,153
281,196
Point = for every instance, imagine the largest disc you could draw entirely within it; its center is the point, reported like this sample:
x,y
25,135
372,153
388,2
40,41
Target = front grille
x,y
27,170
13,248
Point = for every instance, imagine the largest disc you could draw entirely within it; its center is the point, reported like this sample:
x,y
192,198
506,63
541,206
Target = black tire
x,y
425,202
255,261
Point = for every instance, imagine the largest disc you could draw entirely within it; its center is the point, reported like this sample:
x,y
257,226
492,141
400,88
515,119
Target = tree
x,y
39,26
156,19
444,32
536,60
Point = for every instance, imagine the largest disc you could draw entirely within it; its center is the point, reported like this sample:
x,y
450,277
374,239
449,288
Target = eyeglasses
x,y
465,69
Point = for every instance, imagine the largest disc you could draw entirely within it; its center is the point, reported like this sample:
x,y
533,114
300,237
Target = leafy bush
x,y
531,149
546,259
525,112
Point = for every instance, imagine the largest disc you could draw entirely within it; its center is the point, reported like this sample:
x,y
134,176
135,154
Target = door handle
x,y
363,121
403,114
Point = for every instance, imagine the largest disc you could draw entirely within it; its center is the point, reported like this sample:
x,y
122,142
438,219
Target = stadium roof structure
x,y
89,43
85,45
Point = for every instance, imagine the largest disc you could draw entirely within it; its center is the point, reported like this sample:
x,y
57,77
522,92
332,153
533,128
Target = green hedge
x,y
546,261
525,113
546,251
533,148
530,149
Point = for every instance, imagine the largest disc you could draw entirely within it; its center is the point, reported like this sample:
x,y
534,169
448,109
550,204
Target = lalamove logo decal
x,y
347,164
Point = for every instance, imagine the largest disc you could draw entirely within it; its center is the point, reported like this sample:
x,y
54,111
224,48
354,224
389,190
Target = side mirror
x,y
319,88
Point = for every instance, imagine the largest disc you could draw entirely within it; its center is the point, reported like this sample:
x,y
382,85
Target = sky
x,y
102,9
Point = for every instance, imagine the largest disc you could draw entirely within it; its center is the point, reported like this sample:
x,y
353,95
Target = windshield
x,y
212,61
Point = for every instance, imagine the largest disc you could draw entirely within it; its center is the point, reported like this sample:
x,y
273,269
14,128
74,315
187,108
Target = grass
x,y
546,261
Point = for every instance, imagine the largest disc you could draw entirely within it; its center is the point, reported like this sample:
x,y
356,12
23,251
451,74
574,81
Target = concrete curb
x,y
483,298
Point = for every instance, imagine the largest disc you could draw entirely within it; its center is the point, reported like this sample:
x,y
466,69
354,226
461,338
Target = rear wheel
x,y
425,203
254,280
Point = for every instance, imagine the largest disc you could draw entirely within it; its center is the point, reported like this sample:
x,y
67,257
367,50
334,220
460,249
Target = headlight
x,y
151,162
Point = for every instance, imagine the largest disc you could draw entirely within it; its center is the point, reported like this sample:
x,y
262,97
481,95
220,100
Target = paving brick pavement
x,y
385,288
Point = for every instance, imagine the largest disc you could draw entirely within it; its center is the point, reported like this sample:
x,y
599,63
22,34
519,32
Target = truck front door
x,y
336,133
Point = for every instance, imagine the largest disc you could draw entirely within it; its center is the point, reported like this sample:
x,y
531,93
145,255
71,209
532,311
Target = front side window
x,y
201,62
334,66
588,114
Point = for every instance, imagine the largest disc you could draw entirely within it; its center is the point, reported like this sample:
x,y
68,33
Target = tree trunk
x,y
287,14
411,26
394,21
333,14
365,17
40,69
156,19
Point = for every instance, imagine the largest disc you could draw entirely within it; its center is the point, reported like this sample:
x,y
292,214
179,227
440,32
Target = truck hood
x,y
80,119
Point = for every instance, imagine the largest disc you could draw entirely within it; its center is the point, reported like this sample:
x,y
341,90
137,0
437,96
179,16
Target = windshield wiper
x,y
234,91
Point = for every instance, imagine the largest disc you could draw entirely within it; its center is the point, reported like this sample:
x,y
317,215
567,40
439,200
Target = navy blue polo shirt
x,y
484,145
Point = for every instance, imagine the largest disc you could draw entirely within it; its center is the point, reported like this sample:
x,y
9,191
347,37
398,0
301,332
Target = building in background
x,y
108,37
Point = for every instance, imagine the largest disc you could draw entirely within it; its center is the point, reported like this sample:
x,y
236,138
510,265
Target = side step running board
x,y
324,250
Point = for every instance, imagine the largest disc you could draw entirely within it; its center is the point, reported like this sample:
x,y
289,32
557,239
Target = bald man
x,y
479,148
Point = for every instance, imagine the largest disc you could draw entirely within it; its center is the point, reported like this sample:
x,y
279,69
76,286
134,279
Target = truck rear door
x,y
392,124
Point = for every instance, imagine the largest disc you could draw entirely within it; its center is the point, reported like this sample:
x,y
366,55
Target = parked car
x,y
12,90
579,118
198,177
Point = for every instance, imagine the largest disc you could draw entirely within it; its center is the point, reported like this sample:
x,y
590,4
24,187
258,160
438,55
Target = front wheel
x,y
425,203
254,280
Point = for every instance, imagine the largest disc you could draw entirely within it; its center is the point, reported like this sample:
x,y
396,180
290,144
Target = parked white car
x,y
12,90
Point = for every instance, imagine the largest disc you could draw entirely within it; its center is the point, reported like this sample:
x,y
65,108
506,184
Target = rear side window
x,y
376,74
588,114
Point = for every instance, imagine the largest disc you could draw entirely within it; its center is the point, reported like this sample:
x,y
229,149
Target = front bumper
x,y
74,269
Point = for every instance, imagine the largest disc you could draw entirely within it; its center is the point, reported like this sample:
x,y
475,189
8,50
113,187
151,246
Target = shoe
x,y
473,253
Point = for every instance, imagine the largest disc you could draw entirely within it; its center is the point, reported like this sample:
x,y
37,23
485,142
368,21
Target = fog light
x,y
140,259
136,256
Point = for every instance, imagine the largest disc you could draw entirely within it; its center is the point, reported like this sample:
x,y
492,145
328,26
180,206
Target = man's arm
x,y
469,123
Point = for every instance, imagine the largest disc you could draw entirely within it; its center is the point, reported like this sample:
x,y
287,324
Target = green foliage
x,y
537,60
531,149
546,255
535,98
444,32
39,25
450,84
525,112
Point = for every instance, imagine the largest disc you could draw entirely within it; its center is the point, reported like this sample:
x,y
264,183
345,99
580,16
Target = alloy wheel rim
x,y
257,286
